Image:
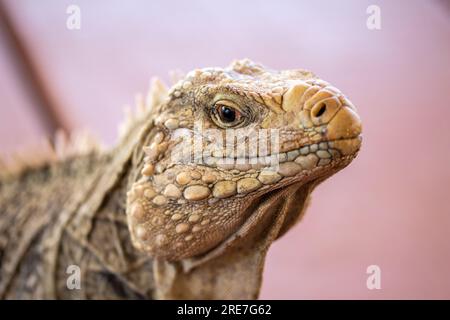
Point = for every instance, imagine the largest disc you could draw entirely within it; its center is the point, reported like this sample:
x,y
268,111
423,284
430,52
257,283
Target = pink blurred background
x,y
389,208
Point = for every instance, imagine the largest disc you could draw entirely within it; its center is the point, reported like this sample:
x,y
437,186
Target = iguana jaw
x,y
303,183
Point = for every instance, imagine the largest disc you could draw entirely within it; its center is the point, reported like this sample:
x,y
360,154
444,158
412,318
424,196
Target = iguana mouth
x,y
313,167
324,152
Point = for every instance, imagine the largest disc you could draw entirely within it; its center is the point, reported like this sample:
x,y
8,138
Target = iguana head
x,y
225,140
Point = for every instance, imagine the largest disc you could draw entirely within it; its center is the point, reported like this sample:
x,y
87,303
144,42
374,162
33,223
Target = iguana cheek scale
x,y
142,222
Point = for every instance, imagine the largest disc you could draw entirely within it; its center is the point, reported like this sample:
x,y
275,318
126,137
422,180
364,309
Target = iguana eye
x,y
227,114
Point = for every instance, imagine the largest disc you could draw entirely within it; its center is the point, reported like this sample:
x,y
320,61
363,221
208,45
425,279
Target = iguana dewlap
x,y
187,204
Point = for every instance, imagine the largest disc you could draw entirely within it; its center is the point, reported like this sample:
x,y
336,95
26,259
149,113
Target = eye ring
x,y
227,114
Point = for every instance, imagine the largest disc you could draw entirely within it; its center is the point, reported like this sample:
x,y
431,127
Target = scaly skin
x,y
179,209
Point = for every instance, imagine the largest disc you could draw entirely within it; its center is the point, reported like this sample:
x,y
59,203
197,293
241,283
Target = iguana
x,y
177,209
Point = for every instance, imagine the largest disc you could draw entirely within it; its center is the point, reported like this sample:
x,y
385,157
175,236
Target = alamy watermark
x,y
374,279
373,21
226,147
73,21
74,279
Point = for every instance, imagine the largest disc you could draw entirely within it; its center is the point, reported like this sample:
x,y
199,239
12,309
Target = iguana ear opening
x,y
234,269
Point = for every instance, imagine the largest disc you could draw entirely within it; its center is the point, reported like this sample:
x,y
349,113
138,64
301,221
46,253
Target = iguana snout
x,y
224,141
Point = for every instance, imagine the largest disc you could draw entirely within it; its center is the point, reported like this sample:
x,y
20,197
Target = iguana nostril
x,y
319,110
